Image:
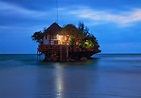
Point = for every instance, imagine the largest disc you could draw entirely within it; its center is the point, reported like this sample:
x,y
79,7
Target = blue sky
x,y
115,23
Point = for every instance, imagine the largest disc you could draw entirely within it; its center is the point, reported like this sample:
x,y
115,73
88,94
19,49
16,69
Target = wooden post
x,y
60,52
37,55
67,52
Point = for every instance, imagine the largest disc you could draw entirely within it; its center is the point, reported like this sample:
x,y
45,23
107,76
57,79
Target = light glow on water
x,y
59,80
105,76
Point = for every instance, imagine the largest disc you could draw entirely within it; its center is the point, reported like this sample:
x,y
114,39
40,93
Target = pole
x,y
37,55
60,52
57,11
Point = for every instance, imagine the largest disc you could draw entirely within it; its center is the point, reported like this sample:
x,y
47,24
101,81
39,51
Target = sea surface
x,y
104,76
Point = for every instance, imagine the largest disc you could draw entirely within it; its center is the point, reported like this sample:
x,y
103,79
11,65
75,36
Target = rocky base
x,y
72,56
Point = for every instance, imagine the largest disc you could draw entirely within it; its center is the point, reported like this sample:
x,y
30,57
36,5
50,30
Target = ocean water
x,y
104,76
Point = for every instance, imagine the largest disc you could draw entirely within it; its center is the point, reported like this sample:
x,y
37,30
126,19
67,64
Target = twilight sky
x,y
115,23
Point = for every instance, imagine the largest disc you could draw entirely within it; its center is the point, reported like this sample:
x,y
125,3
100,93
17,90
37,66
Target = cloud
x,y
122,18
10,9
79,13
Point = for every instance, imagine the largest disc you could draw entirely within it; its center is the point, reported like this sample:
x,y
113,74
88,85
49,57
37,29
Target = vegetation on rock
x,y
80,36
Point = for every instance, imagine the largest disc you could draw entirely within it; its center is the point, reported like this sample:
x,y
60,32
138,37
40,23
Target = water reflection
x,y
59,80
74,82
67,80
106,77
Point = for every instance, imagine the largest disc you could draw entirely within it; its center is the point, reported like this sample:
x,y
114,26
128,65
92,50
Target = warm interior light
x,y
63,39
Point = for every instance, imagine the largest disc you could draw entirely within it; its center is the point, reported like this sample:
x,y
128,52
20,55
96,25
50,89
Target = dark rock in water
x,y
83,59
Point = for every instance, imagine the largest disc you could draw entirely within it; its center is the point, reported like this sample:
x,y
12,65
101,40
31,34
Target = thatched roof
x,y
53,29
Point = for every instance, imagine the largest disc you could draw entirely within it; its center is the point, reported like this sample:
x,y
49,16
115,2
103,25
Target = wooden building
x,y
52,36
56,46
